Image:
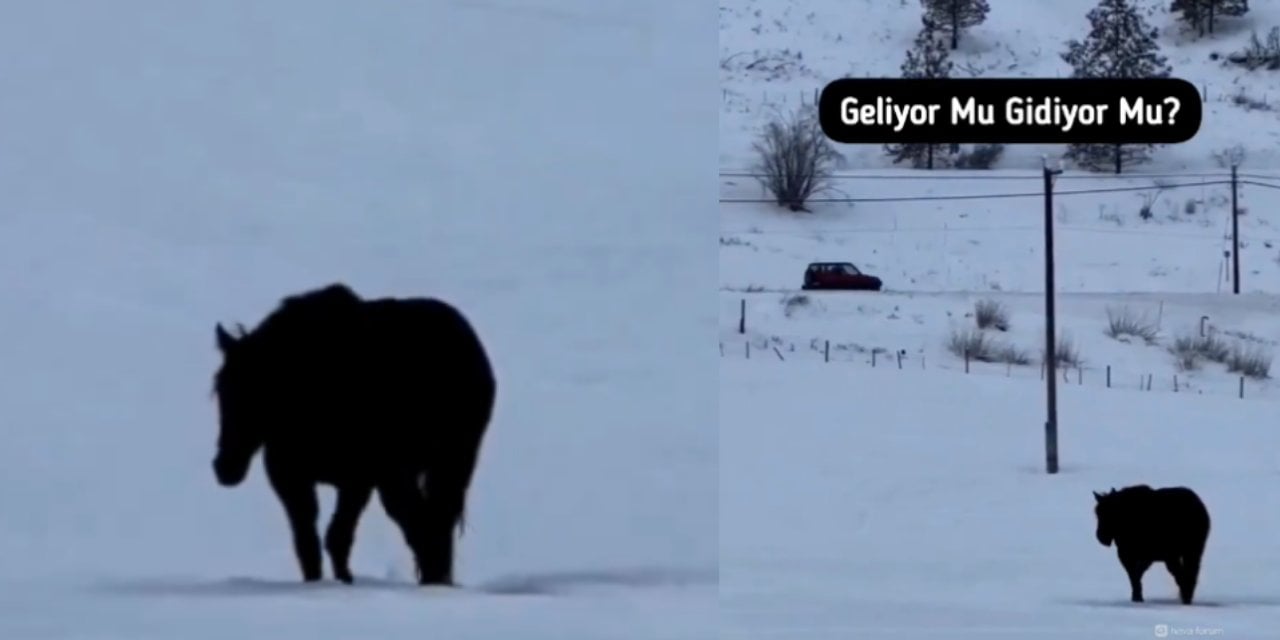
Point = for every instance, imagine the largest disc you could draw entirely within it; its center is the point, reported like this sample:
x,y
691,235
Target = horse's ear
x,y
225,340
1097,496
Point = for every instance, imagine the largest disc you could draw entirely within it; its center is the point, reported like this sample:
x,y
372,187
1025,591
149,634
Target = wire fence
x,y
1101,376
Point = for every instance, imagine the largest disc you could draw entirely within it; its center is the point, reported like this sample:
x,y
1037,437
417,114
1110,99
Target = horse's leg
x,y
303,508
1176,569
1190,574
1135,566
403,502
448,482
341,534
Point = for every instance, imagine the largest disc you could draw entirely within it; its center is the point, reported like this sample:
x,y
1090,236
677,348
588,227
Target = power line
x,y
1147,232
986,196
994,177
1249,182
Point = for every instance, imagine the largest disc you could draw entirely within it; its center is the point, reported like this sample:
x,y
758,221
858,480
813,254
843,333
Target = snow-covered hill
x,y
776,53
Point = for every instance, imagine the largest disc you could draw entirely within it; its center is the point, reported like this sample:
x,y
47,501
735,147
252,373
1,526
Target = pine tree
x,y
927,59
1201,14
1119,45
950,16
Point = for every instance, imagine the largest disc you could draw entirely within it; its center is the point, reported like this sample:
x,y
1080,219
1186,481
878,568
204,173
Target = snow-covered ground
x,y
170,165
861,503
888,493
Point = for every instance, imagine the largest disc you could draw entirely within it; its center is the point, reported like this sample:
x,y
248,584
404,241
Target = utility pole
x,y
1235,233
1050,337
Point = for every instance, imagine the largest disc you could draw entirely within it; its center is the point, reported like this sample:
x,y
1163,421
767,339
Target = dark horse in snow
x,y
1169,525
387,395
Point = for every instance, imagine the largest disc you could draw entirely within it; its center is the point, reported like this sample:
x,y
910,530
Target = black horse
x,y
392,395
1169,525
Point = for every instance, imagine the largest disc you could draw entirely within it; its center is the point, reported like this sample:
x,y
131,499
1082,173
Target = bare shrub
x,y
975,345
1241,98
1252,361
1184,348
1011,354
989,314
971,344
1123,322
1185,359
1065,353
795,158
1213,348
1257,54
792,302
1189,350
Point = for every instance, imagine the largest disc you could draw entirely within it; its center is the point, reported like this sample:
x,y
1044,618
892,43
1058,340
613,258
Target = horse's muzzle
x,y
229,475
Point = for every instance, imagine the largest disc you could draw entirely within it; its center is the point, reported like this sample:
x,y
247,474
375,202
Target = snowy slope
x,y
167,166
885,504
773,53
985,232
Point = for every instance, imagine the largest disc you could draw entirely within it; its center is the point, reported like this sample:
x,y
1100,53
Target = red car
x,y
839,275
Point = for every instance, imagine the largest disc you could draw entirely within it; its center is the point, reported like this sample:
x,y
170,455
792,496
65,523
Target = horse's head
x,y
240,388
1108,512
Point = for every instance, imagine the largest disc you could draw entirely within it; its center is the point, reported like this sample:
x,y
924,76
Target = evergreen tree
x,y
928,58
1119,45
1200,14
950,16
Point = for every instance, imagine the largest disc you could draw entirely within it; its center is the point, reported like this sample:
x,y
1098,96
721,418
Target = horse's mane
x,y
298,317
1135,490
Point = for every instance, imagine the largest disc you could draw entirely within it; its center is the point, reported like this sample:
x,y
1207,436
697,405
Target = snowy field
x,y
168,166
860,503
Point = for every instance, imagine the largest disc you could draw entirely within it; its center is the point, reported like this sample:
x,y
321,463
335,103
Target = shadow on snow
x,y
551,583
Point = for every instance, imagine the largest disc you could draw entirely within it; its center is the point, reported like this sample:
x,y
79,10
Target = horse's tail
x,y
423,488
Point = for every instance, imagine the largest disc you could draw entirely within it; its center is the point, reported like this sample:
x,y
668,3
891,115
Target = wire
x,y
986,196
990,229
1036,176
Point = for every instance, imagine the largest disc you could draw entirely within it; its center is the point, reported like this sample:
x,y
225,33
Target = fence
x,y
1105,376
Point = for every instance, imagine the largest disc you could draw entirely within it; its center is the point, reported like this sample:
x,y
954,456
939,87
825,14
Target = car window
x,y
850,270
